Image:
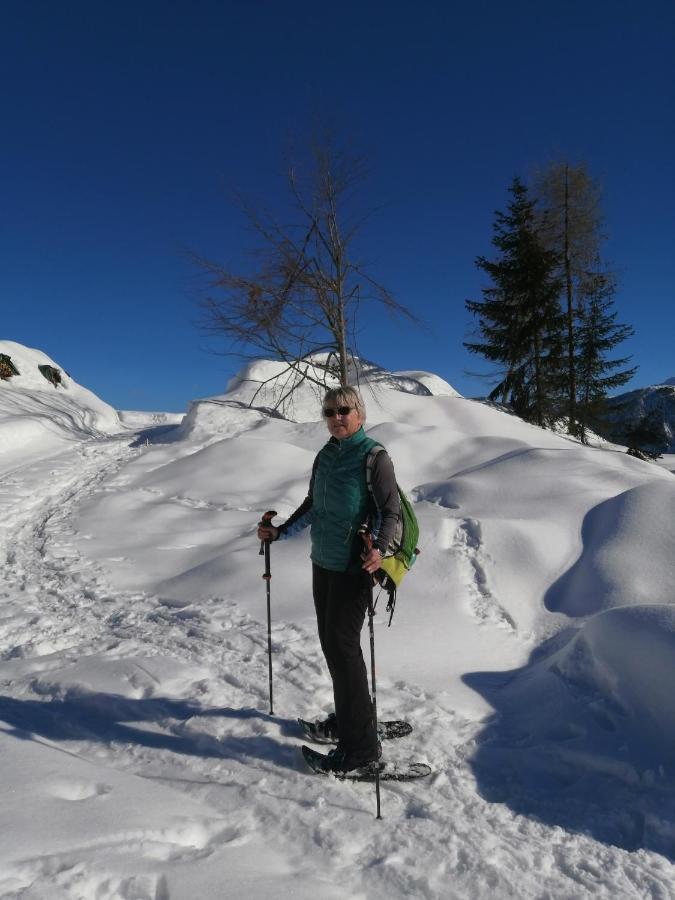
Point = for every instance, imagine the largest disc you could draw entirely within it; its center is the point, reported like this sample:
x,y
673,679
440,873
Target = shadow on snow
x,y
559,753
106,718
156,434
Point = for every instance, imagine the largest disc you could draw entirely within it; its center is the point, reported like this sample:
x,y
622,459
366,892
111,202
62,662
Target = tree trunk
x,y
539,388
341,336
572,378
342,346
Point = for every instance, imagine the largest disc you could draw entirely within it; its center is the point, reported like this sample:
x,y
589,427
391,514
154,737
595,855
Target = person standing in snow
x,y
336,507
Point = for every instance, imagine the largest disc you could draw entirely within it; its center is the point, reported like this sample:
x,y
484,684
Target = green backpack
x,y
402,550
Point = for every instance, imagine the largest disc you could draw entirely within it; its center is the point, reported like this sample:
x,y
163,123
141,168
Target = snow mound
x,y
625,658
217,418
583,736
261,389
34,413
627,554
136,419
435,385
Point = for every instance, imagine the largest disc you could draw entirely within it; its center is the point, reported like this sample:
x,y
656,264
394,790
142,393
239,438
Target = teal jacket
x,y
339,501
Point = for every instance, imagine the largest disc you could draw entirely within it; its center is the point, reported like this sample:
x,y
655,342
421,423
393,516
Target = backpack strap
x,y
370,462
375,517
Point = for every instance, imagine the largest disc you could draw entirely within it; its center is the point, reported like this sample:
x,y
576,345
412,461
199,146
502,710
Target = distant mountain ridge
x,y
657,400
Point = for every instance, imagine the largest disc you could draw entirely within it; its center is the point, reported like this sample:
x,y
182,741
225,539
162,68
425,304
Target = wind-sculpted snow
x,y
266,386
435,386
627,554
35,415
141,761
584,736
218,417
135,419
625,657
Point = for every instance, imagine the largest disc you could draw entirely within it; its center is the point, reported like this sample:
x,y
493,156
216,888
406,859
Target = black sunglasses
x,y
342,410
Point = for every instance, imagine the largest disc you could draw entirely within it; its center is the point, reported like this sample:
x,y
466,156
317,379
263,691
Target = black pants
x,y
341,603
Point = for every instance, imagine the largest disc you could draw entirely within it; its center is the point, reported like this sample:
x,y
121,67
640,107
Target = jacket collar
x,y
352,441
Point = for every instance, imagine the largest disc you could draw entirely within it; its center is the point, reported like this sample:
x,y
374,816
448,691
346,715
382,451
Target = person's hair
x,y
346,396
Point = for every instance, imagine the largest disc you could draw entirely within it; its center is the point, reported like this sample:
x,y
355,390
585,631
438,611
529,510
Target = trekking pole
x,y
371,613
265,551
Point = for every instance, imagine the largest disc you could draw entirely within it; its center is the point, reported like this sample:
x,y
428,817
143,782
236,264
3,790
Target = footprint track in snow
x,y
468,543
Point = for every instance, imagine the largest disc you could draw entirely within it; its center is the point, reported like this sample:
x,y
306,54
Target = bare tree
x,y
569,224
301,300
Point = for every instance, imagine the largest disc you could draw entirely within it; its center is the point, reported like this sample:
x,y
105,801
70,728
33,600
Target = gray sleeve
x,y
385,495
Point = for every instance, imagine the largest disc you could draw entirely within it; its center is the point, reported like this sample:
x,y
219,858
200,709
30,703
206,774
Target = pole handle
x,y
368,541
266,520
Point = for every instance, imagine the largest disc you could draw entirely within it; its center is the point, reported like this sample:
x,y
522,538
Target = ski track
x,y
438,839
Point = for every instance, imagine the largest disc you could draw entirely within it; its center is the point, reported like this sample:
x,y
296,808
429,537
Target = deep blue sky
x,y
125,125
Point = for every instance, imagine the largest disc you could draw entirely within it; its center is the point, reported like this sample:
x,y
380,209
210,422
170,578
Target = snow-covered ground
x,y
532,649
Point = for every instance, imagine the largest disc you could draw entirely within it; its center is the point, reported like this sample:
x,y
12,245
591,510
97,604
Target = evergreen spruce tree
x,y
597,334
519,317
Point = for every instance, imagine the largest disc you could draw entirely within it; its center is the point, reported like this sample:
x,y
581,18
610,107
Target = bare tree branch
x,y
302,300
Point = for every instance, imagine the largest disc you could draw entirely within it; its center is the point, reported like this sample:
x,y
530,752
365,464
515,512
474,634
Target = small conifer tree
x,y
597,334
519,318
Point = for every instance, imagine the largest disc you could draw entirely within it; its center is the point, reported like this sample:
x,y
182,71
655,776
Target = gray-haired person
x,y
336,507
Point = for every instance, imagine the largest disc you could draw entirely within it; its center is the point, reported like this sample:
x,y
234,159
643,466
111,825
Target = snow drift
x,y
628,554
36,415
262,389
625,656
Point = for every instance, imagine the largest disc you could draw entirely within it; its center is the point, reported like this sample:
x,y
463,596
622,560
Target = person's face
x,y
342,424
